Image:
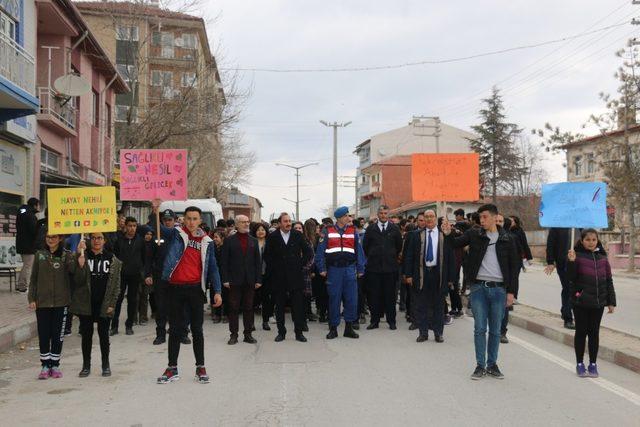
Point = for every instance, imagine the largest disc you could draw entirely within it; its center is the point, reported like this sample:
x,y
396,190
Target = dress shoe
x,y
279,337
305,328
413,327
185,340
106,370
311,317
265,326
249,339
333,333
216,319
422,338
393,327
372,326
233,340
301,338
129,331
86,370
356,326
322,318
439,338
113,331
349,332
569,325
160,339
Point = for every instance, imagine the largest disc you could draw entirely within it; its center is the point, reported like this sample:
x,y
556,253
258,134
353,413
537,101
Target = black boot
x,y
106,369
86,370
349,332
333,333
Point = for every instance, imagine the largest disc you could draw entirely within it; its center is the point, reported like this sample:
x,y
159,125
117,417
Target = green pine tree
x,y
496,145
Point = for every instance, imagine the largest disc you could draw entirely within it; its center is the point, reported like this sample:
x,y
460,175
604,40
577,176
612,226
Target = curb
x,y
628,359
11,336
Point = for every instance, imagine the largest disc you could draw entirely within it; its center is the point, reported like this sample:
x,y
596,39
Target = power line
x,y
424,62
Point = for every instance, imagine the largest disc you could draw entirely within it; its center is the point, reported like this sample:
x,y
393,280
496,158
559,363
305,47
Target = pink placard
x,y
153,174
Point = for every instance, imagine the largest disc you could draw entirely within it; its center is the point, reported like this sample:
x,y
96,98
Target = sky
x,y
556,82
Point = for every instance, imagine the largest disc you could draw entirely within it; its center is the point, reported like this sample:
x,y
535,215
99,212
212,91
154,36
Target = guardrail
x,y
50,105
16,64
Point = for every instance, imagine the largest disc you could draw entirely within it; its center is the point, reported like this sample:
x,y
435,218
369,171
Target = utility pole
x,y
297,169
351,182
335,126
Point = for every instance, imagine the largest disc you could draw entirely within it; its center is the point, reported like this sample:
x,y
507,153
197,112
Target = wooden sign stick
x,y
81,239
159,240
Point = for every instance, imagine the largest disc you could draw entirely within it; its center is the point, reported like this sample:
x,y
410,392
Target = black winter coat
x,y
478,242
590,279
26,230
413,260
382,249
286,261
558,245
240,269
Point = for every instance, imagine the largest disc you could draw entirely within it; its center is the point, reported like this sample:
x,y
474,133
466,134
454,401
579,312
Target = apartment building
x,y
166,59
76,132
18,105
384,169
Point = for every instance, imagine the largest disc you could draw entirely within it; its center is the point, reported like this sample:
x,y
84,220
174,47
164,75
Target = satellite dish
x,y
71,85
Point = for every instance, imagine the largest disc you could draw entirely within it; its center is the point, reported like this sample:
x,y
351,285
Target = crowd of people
x,y
335,270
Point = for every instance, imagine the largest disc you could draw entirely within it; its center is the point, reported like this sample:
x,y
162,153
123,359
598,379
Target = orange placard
x,y
446,177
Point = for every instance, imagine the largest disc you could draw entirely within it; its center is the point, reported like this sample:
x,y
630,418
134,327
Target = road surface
x,y
384,378
542,291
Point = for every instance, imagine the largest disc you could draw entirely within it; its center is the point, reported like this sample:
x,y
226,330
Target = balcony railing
x,y
16,64
64,112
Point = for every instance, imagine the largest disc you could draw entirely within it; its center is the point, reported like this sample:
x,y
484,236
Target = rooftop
x,y
127,7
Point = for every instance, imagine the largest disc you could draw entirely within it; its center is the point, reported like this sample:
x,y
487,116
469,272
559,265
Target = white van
x,y
211,209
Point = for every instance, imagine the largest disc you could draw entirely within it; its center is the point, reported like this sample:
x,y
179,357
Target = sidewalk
x,y
17,322
616,347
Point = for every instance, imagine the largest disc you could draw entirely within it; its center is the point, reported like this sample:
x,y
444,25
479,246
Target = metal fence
x,y
16,64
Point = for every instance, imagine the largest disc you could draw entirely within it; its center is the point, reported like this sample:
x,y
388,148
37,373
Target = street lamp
x,y
297,169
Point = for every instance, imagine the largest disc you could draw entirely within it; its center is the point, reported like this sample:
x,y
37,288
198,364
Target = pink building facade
x,y
74,133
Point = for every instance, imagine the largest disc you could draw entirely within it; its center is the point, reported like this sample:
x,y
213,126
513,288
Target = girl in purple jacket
x,y
589,273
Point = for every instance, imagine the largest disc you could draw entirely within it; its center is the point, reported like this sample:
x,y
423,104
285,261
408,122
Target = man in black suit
x,y
286,252
382,245
429,267
241,268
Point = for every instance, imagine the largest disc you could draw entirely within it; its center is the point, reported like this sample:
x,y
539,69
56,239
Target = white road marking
x,y
600,382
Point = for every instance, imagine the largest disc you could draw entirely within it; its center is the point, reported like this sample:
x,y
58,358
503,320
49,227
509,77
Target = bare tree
x,y
618,149
529,173
199,111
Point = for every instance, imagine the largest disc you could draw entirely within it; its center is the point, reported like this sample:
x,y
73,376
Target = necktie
x,y
429,256
384,226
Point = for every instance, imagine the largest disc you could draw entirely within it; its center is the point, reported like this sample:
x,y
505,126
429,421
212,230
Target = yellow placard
x,y
82,210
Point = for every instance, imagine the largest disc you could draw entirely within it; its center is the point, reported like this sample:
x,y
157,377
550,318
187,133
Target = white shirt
x,y
434,244
285,236
385,224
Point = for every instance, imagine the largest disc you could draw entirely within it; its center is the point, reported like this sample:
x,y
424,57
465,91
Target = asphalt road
x,y
384,378
542,291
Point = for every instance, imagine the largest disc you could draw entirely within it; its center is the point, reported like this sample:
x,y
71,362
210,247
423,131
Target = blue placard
x,y
574,205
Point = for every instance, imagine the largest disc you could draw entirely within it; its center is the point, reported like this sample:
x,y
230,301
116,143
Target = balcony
x,y
57,115
17,80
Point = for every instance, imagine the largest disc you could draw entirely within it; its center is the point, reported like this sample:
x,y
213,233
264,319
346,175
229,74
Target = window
x,y
188,79
49,160
7,26
108,119
189,41
128,72
161,78
127,33
577,165
95,110
166,41
156,38
122,113
591,164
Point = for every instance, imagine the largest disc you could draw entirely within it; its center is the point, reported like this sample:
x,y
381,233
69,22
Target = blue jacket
x,y
322,247
176,240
